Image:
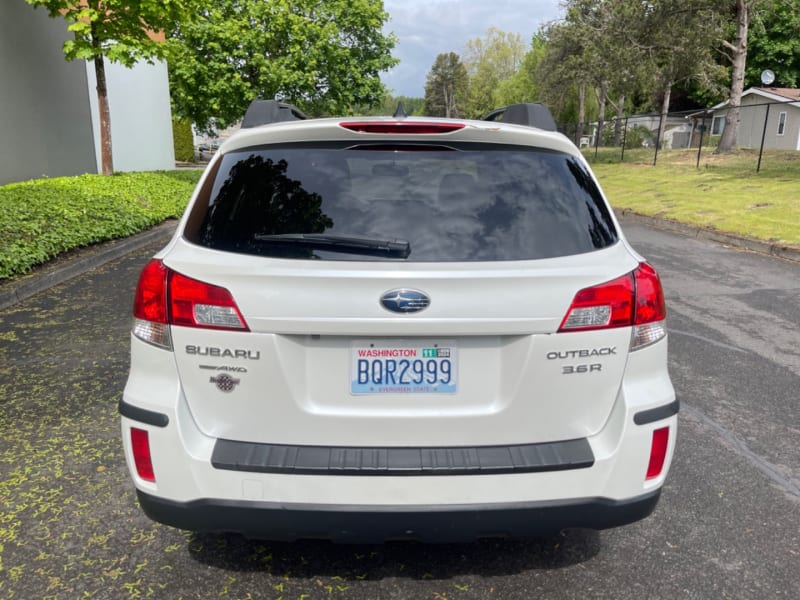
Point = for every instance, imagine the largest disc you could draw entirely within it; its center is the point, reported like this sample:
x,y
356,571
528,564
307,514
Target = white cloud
x,y
426,28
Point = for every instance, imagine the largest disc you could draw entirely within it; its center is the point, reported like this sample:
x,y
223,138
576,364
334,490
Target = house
x,y
49,119
777,108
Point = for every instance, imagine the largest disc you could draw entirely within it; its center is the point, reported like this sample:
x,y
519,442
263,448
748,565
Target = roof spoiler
x,y
532,114
263,112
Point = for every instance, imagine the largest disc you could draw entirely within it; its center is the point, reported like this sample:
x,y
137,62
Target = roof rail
x,y
263,112
532,114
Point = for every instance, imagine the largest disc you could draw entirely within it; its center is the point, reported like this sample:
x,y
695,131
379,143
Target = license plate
x,y
424,367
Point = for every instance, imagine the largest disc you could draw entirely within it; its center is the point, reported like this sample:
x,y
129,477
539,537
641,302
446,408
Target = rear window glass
x,y
423,203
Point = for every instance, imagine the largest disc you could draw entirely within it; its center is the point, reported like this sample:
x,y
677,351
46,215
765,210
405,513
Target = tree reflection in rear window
x,y
467,203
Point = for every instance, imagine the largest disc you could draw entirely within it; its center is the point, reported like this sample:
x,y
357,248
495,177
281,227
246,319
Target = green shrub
x,y
43,218
183,140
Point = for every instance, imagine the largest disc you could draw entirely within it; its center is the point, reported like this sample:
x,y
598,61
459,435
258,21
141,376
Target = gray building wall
x,y
751,124
141,117
45,118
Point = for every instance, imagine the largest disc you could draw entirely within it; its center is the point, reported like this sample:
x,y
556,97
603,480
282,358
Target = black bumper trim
x,y
656,414
371,524
148,417
325,460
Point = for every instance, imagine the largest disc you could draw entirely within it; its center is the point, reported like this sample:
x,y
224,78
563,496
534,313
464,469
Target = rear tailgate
x,y
322,362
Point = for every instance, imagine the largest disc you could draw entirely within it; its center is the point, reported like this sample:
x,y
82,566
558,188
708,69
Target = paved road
x,y
728,525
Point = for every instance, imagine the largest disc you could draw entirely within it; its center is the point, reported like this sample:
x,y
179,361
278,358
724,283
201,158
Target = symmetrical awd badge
x,y
404,300
225,383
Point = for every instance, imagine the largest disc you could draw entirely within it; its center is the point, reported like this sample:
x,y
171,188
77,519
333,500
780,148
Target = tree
x,y
622,48
523,86
490,61
121,31
737,55
774,43
678,42
411,106
325,56
561,74
446,87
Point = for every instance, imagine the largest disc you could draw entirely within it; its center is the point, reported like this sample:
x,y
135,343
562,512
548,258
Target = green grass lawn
x,y
724,193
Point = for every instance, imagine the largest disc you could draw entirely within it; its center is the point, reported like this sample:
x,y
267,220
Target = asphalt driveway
x,y
727,525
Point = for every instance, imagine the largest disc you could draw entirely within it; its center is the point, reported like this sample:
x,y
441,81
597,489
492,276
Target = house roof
x,y
770,94
786,93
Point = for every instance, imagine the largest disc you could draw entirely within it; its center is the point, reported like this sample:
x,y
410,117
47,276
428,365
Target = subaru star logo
x,y
405,301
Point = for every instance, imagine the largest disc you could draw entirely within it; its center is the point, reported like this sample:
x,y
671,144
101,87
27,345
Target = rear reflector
x,y
401,127
140,444
658,452
164,298
635,299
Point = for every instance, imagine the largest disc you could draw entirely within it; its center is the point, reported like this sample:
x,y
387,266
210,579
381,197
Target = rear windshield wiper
x,y
351,244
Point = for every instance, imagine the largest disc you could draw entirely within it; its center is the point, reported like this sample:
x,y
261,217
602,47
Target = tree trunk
x,y
106,159
738,50
618,122
581,113
601,113
664,113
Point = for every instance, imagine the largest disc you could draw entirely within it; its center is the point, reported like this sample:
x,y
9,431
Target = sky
x,y
426,28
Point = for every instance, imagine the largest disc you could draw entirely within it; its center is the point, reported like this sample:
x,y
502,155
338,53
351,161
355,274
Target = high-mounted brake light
x,y
635,299
164,298
401,127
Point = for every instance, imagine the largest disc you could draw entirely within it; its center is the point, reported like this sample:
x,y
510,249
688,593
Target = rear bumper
x,y
371,524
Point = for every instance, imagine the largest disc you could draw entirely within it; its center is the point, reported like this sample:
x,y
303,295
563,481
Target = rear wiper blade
x,y
395,248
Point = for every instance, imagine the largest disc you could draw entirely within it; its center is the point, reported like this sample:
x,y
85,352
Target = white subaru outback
x,y
368,329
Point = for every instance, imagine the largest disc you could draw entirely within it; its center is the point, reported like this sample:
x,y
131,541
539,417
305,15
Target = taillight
x,y
150,322
197,304
165,298
635,299
140,445
401,127
658,452
650,305
606,305
150,302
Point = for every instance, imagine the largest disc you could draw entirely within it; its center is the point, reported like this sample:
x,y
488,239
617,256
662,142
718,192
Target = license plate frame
x,y
388,367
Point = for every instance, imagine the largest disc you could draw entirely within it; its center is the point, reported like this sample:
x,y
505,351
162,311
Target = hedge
x,y
183,140
43,218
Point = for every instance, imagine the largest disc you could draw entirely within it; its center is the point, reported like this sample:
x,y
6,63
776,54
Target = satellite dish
x,y
767,77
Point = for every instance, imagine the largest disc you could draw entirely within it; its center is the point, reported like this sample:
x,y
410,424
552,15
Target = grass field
x,y
724,193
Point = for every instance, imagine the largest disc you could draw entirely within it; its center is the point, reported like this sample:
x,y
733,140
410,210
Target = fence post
x,y
597,135
700,145
763,137
658,138
624,139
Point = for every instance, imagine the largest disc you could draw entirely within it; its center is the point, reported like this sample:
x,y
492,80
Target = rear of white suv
x,y
372,329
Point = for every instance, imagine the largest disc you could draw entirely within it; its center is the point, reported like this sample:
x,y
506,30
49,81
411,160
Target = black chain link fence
x,y
762,126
